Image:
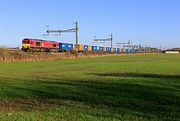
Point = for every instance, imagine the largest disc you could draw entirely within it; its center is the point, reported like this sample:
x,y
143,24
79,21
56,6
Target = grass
x,y
130,87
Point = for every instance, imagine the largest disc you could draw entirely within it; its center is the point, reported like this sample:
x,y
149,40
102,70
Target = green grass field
x,y
129,87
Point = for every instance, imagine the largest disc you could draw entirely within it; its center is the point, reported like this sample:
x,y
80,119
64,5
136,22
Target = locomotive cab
x,y
26,44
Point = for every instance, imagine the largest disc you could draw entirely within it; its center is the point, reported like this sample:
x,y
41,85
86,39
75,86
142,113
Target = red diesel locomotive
x,y
39,45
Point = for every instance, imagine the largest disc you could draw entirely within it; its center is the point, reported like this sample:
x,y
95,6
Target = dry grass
x,y
18,55
11,55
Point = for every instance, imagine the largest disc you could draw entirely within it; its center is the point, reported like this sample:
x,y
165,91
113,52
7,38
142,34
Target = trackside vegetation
x,y
142,87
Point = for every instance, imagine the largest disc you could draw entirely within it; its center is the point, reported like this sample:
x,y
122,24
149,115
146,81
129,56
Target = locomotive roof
x,y
40,40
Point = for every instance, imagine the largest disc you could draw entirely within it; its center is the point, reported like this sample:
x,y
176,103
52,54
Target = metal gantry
x,y
105,39
75,30
125,43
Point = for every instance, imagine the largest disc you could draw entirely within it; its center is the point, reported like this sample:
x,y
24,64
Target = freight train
x,y
37,45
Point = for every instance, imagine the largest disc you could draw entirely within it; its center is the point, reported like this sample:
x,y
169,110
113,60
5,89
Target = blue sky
x,y
149,22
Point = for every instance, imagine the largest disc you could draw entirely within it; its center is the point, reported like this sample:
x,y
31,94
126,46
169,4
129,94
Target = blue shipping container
x,y
62,46
85,47
132,50
65,47
108,49
118,50
94,48
127,50
100,49
69,47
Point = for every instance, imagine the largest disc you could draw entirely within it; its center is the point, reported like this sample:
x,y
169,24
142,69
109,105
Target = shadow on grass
x,y
143,75
119,98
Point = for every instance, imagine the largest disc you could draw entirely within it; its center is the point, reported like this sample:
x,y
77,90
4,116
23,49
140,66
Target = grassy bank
x,y
131,87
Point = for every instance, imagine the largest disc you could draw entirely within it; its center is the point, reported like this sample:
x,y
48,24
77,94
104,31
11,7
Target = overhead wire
x,y
21,14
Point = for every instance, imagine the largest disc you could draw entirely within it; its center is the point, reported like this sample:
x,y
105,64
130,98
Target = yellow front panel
x,y
25,45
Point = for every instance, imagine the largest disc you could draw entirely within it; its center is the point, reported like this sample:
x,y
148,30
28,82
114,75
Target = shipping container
x,y
130,50
69,47
127,50
101,49
65,47
137,50
62,46
104,49
89,48
85,47
121,50
108,49
97,47
112,50
94,48
118,50
115,50
80,47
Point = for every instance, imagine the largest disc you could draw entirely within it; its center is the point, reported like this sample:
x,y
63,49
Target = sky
x,y
155,23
